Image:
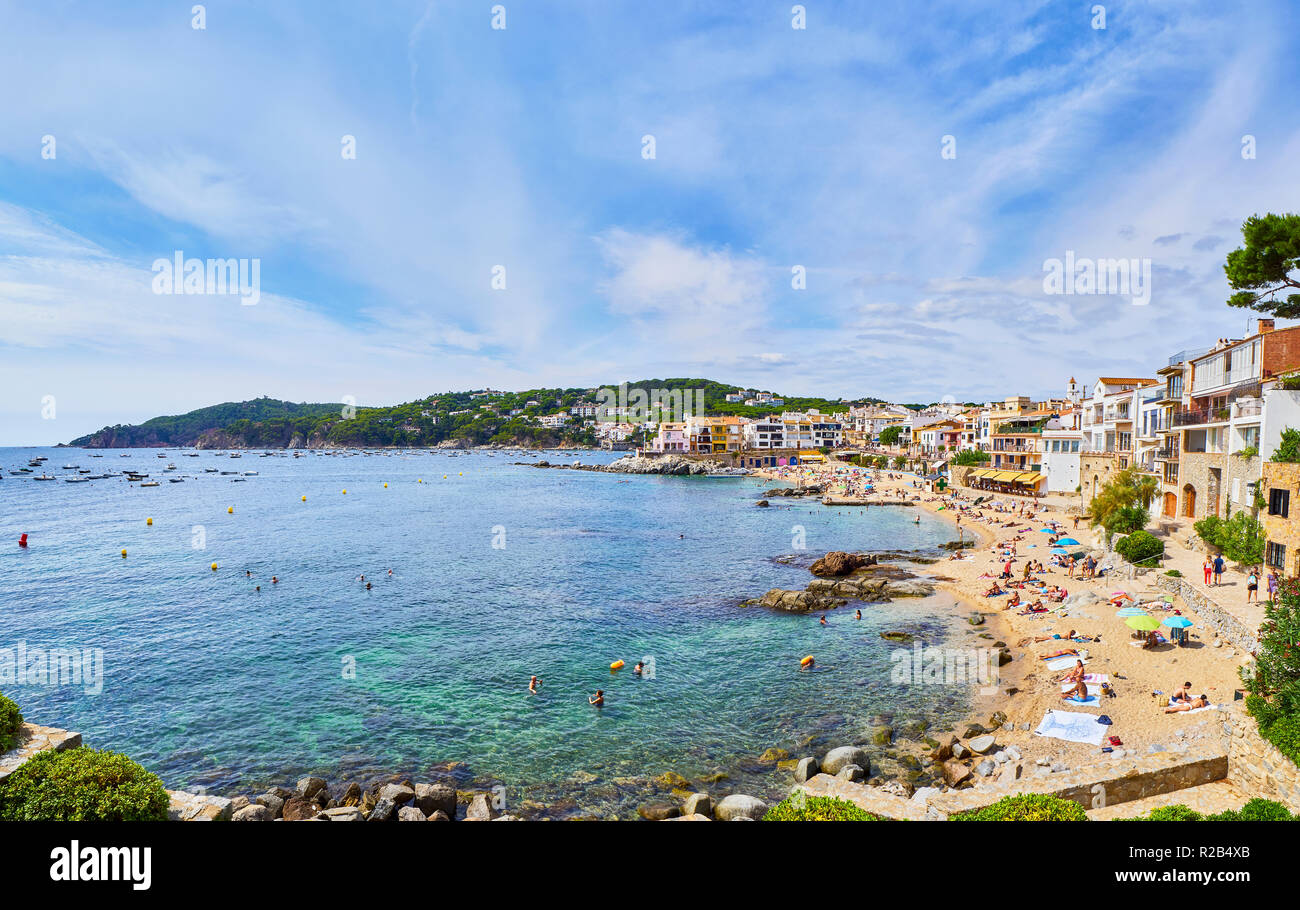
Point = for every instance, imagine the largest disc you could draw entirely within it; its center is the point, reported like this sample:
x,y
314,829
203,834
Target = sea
x,y
479,572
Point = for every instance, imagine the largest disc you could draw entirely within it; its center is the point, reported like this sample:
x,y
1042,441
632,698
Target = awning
x,y
1029,478
1004,475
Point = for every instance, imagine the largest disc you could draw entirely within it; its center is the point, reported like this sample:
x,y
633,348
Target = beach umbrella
x,y
1131,611
1069,542
1060,551
1142,623
1177,622
1046,531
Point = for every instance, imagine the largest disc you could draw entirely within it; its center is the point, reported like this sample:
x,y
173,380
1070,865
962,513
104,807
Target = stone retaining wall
x,y
34,738
1257,767
1101,784
1229,628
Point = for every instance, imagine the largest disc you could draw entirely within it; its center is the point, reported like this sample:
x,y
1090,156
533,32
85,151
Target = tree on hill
x,y
1263,268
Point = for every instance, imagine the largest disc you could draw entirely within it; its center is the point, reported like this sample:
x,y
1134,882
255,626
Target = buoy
x,y
462,473
385,486
124,554
806,661
22,541
421,480
616,665
214,567
444,476
149,521
304,499
345,492
230,510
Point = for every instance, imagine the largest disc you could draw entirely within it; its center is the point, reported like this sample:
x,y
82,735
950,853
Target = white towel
x,y
1072,726
1063,663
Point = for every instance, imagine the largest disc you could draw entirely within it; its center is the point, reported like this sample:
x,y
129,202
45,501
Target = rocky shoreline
x,y
639,464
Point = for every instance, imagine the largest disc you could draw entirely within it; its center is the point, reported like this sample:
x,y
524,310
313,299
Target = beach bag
x,y
1105,719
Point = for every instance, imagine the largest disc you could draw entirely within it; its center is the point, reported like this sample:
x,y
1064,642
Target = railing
x,y
1183,356
1199,415
1167,453
1251,408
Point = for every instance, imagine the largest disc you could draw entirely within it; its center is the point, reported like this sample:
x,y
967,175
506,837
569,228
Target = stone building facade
x,y
1281,517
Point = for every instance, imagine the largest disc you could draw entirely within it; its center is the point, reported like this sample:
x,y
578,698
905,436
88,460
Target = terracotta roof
x,y
1110,380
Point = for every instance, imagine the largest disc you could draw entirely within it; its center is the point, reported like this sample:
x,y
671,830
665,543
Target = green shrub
x,y
1140,548
1257,810
10,723
1179,813
1174,573
1027,807
82,785
801,808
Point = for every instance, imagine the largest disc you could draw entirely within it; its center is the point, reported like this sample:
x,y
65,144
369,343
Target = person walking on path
x,y
1218,570
1272,585
1252,587
1208,566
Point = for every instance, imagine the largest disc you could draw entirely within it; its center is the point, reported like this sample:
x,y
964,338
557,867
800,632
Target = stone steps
x,y
1216,796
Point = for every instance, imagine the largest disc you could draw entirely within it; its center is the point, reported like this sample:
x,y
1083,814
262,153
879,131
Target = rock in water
x,y
837,758
807,767
739,806
836,563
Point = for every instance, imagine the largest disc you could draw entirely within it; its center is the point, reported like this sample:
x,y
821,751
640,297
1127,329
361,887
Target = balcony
x,y
1167,453
1244,408
1196,416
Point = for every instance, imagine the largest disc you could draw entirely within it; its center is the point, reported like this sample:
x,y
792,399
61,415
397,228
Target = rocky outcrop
x,y
811,489
837,563
642,464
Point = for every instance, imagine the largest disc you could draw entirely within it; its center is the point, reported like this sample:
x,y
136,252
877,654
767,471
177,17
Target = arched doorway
x,y
1171,505
1189,501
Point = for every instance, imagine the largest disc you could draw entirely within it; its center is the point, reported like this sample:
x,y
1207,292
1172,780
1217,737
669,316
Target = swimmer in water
x,y
248,574
368,586
274,580
390,571
857,614
598,699
638,668
823,620
807,666
534,684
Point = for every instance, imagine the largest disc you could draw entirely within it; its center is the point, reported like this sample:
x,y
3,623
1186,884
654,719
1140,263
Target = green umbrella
x,y
1142,623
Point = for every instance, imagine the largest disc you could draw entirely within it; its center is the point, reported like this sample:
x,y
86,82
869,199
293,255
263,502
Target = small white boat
x,y
250,473
150,483
42,477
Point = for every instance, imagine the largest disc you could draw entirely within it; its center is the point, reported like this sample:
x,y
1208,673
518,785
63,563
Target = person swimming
x,y
857,614
638,668
822,620
274,580
598,699
534,684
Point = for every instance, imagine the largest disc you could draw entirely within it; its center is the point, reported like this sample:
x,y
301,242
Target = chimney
x,y
1265,325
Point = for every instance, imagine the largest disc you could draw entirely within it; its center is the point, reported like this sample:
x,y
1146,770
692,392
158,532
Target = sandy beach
x,y
1142,680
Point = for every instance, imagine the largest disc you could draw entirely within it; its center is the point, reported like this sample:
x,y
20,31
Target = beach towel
x,y
1092,701
1071,726
1092,690
1063,663
1069,652
1096,678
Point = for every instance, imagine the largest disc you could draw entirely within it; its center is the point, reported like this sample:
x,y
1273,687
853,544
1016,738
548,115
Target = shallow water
x,y
210,683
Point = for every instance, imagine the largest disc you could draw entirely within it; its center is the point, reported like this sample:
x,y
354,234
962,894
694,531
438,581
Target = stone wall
x,y
1279,530
1228,627
1256,766
34,738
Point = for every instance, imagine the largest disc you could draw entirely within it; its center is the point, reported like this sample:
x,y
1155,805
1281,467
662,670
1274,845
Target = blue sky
x,y
522,147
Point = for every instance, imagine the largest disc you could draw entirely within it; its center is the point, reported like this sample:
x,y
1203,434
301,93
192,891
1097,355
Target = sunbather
x,y
1201,701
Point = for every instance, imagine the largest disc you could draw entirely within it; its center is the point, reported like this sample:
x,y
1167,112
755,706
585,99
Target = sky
x,y
917,164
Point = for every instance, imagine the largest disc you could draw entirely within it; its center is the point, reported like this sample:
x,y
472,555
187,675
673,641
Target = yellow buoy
x,y
124,554
304,499
444,476
385,486
806,661
149,521
421,480
345,492
462,473
214,567
230,510
616,665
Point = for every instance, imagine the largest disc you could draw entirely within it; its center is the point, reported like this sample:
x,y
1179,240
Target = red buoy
x,y
22,541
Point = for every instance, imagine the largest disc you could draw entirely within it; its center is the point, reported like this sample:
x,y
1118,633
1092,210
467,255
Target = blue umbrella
x,y
1069,542
1131,611
1060,551
1177,622
1046,531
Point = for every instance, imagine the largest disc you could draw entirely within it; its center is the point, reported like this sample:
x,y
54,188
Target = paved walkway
x,y
1230,594
1218,796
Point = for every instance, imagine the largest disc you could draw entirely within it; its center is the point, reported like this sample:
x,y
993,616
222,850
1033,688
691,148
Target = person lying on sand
x,y
1200,701
994,591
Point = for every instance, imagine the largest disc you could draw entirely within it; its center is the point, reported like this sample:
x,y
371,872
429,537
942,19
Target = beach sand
x,y
1027,690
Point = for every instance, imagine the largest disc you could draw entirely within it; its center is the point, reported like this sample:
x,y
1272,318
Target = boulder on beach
x,y
431,798
698,804
807,768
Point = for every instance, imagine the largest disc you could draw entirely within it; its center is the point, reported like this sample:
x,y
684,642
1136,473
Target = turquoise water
x,y
209,682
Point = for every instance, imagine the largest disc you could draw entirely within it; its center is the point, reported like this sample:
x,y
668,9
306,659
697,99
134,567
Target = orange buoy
x,y
616,665
124,554
806,661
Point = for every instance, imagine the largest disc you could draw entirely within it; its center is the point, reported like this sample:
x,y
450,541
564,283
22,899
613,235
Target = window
x,y
1275,555
1279,502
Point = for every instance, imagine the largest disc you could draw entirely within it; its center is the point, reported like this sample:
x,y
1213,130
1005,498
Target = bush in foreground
x,y
10,723
1027,807
1257,810
816,809
82,785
